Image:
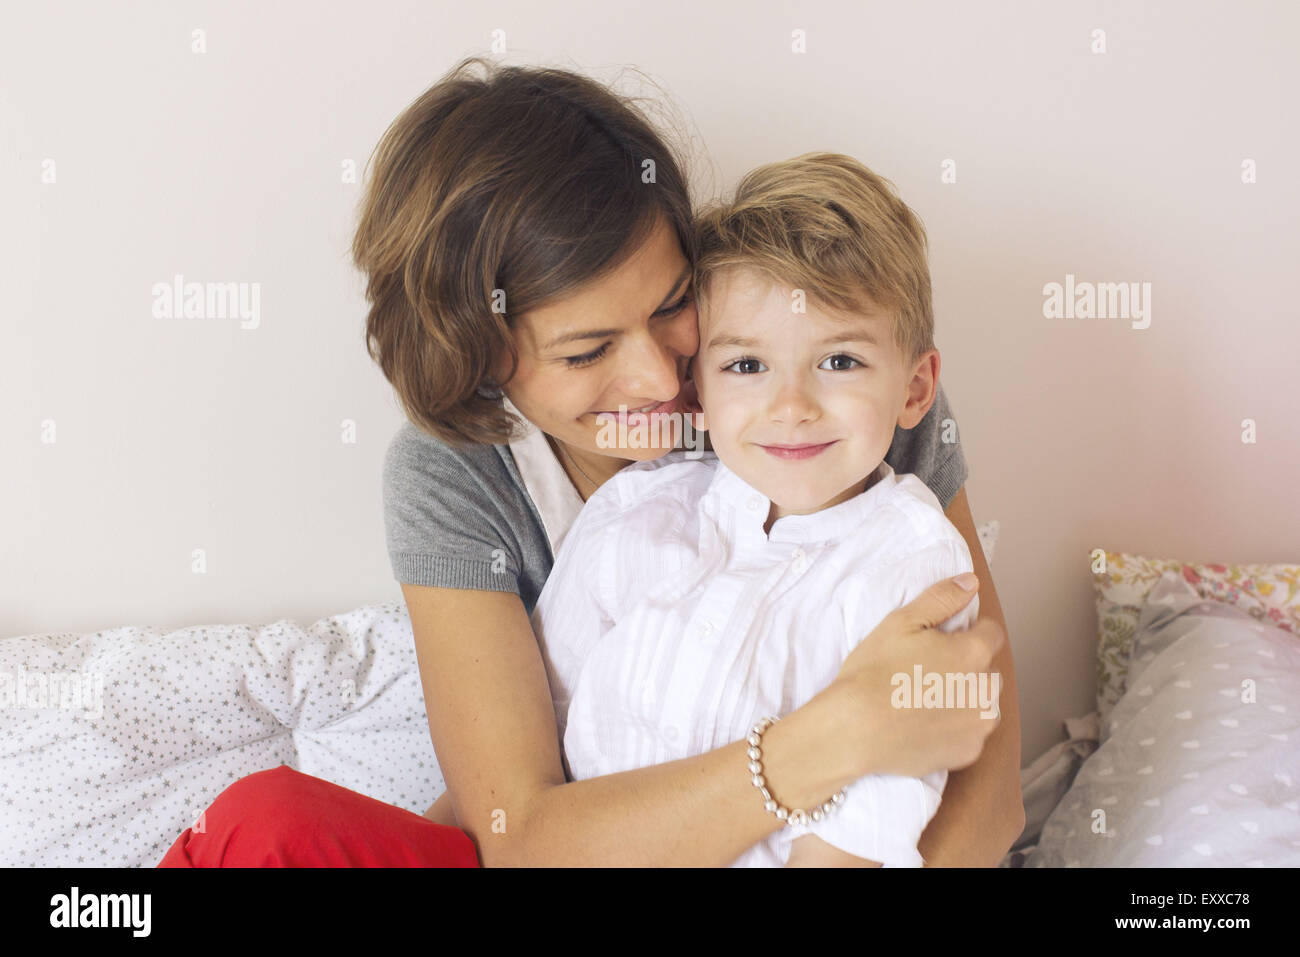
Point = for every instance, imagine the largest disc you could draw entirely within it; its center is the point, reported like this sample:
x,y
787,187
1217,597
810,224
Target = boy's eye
x,y
575,361
743,361
852,362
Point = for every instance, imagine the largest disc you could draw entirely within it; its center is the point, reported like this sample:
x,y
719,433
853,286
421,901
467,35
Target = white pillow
x,y
153,725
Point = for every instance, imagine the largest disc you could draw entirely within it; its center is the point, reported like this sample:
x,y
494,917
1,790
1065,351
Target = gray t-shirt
x,y
463,518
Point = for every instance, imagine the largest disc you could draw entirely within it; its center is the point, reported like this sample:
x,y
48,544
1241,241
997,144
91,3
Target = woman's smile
x,y
662,408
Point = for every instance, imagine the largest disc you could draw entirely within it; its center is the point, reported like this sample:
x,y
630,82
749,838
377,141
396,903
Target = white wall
x,y
174,435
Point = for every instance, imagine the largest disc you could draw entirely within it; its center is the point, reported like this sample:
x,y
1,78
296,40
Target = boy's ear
x,y
921,390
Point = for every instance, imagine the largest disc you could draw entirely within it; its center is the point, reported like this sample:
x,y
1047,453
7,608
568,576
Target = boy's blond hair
x,y
824,223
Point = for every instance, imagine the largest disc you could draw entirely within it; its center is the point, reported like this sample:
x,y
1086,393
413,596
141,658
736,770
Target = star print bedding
x,y
112,743
1199,763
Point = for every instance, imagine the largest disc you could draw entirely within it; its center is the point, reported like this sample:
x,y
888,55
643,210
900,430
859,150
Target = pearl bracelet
x,y
798,815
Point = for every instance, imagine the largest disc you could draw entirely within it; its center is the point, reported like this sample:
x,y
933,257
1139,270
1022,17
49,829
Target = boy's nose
x,y
793,401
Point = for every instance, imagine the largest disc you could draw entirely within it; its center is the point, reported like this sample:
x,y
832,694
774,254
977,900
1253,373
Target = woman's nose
x,y
655,376
657,370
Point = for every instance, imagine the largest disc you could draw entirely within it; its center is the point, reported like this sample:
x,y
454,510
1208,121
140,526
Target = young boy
x,y
695,595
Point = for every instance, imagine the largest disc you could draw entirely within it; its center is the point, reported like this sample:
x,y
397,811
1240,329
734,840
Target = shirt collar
x,y
729,490
545,480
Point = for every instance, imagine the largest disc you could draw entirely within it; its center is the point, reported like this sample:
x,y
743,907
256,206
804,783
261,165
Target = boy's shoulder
x,y
681,475
910,519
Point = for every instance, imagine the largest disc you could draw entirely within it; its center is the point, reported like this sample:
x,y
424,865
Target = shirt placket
x,y
720,645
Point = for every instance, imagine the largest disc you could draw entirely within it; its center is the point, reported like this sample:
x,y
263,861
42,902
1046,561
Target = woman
x,y
527,240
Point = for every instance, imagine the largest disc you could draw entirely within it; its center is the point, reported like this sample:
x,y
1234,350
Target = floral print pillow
x,y
1270,593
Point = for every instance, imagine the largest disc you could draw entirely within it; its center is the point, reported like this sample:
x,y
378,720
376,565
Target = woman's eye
x,y
590,357
577,362
676,307
743,362
847,359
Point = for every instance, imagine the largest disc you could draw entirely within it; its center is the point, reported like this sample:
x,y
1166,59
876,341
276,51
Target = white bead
x,y
754,753
759,781
756,767
770,806
817,814
838,797
782,813
753,738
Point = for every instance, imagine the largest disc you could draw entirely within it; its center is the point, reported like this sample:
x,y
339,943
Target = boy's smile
x,y
802,405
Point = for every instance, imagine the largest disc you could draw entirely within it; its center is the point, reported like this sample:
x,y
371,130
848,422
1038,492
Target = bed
x,y
112,743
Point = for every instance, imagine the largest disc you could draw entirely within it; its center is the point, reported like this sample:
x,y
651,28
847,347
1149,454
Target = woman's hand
x,y
917,741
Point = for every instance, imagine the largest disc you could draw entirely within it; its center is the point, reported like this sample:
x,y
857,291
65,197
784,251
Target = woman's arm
x,y
982,812
441,811
493,727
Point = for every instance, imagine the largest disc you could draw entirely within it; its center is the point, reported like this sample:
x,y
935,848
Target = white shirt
x,y
557,501
671,623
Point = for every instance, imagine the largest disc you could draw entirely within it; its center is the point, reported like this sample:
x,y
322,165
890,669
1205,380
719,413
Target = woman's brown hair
x,y
499,190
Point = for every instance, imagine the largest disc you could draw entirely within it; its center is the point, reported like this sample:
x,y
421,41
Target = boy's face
x,y
791,384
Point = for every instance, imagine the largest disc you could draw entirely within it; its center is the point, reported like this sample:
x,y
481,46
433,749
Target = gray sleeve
x,y
932,451
445,519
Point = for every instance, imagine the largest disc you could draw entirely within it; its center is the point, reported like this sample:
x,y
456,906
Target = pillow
x,y
1197,762
123,737
1121,582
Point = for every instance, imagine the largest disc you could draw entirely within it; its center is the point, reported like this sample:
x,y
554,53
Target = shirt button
x,y
754,503
705,628
670,733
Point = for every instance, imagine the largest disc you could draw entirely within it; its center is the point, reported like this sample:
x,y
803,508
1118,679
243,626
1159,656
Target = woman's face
x,y
623,340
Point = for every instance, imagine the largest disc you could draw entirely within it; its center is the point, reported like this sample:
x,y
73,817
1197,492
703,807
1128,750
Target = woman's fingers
x,y
907,730
938,603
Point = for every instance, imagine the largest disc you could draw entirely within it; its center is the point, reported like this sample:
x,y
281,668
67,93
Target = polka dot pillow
x,y
113,743
1121,582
